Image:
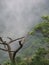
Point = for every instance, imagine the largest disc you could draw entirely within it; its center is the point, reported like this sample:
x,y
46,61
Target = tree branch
x,y
6,50
14,54
14,40
1,39
10,38
9,49
4,43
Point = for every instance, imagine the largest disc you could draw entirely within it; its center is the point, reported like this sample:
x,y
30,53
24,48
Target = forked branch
x,y
11,40
12,54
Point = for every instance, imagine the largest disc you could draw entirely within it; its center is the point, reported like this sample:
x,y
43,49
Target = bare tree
x,y
7,47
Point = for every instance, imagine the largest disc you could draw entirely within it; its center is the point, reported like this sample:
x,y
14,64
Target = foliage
x,y
39,58
7,63
18,59
43,28
23,63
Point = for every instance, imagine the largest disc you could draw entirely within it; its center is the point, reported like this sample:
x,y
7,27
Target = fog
x,y
17,17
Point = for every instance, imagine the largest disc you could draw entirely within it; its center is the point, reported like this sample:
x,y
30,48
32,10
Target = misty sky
x,y
17,17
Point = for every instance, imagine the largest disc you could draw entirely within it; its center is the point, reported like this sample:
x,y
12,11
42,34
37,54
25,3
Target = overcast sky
x,y
18,16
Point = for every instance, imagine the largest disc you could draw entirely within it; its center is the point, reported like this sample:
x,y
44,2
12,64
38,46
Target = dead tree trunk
x,y
12,54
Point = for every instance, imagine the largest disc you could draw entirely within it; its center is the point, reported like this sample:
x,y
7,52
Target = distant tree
x,y
39,58
43,28
7,48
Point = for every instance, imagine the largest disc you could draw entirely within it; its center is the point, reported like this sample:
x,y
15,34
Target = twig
x,y
14,40
6,50
9,38
14,54
1,39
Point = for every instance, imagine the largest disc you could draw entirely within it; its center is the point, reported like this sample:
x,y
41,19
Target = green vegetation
x,y
41,57
43,28
38,59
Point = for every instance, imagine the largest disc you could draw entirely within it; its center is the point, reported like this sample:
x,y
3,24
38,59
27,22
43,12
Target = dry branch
x,y
6,50
12,55
14,40
1,39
